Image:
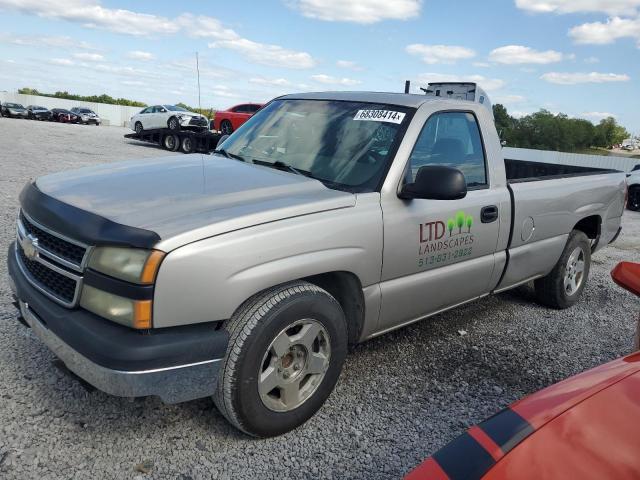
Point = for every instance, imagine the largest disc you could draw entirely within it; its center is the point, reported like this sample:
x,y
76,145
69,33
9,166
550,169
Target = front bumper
x,y
176,364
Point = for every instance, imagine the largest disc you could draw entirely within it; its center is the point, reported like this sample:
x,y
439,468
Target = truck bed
x,y
519,171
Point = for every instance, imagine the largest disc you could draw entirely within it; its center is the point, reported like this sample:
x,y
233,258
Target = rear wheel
x,y
226,128
285,354
187,145
138,128
173,124
564,285
633,203
171,142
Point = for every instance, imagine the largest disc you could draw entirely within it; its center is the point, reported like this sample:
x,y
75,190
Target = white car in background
x,y
167,116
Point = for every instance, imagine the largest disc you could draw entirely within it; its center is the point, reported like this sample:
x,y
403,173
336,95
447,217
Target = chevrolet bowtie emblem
x,y
29,246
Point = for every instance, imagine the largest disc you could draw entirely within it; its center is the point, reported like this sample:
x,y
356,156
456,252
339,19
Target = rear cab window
x,y
451,139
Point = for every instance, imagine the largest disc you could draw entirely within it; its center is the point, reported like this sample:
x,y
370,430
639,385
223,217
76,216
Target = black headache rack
x,y
187,141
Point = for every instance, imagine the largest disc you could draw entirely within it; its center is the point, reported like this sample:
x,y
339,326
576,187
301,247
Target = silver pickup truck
x,y
325,220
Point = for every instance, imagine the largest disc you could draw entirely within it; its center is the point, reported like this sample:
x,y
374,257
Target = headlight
x,y
125,311
130,264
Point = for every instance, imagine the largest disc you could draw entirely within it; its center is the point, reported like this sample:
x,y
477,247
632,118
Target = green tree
x,y
460,219
544,130
451,224
469,223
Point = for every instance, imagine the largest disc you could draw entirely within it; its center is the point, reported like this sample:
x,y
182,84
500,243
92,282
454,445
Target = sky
x,y
579,57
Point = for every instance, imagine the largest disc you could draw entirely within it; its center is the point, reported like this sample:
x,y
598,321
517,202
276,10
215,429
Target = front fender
x,y
209,279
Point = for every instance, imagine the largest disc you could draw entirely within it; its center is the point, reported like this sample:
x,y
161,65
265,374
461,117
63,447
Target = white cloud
x,y
598,115
432,54
89,57
140,55
65,62
518,55
601,33
509,99
202,26
481,64
271,82
592,60
610,7
271,55
575,78
349,65
357,11
489,84
62,42
133,83
91,14
329,80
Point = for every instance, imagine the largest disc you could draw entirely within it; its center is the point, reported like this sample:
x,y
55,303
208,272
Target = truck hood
x,y
189,197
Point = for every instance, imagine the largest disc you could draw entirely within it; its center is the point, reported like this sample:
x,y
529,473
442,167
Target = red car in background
x,y
226,121
63,115
585,427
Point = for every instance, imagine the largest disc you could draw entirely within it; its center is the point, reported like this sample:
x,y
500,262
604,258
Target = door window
x,y
451,139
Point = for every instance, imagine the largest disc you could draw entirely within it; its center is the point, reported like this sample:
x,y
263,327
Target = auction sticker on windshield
x,y
380,116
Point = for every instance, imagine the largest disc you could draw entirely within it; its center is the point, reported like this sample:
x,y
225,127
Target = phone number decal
x,y
380,116
444,257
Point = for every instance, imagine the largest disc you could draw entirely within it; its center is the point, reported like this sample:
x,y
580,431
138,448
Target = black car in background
x,y
14,110
36,112
64,116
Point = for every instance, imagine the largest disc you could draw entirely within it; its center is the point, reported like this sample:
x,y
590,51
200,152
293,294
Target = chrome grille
x,y
52,263
55,283
56,246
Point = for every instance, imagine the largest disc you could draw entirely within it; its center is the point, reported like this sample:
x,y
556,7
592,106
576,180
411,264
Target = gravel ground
x,y
400,397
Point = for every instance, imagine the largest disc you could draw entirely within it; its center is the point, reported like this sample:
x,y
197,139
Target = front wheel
x,y
138,128
564,285
633,203
285,354
173,124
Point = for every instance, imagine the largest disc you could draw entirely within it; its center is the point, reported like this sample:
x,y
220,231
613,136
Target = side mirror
x,y
503,143
163,110
221,140
436,182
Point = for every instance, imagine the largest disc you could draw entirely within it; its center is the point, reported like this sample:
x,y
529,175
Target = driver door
x,y
440,253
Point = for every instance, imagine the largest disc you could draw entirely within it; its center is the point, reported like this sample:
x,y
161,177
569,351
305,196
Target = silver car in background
x,y
87,116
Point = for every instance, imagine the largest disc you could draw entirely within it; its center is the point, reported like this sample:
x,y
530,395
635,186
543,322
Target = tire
x,y
187,145
173,124
171,142
226,128
563,287
138,127
287,311
633,202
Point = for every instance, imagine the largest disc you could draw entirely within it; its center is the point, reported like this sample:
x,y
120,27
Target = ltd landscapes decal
x,y
442,242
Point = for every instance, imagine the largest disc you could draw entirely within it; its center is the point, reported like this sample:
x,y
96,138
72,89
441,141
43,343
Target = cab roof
x,y
402,99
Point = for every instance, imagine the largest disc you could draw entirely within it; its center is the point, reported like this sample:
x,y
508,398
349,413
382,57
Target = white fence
x,y
623,164
118,115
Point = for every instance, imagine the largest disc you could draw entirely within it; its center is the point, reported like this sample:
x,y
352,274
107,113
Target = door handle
x,y
489,214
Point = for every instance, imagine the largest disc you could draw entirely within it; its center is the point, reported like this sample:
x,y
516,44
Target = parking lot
x,y
400,397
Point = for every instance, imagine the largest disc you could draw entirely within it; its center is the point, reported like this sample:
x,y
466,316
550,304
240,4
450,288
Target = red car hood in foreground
x,y
585,427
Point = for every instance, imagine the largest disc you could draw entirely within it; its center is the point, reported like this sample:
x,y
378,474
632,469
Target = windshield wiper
x,y
232,156
280,165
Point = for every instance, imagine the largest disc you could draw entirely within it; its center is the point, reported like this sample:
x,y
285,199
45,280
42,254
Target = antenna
x,y
198,70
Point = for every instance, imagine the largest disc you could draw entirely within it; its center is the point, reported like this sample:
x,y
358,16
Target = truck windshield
x,y
345,145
